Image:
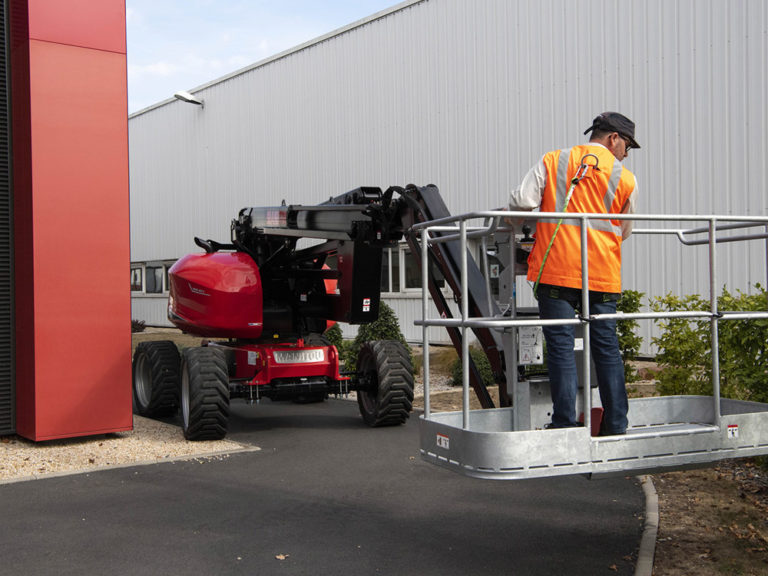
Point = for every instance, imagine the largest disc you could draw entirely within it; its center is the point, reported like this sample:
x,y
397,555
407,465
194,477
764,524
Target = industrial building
x,y
468,95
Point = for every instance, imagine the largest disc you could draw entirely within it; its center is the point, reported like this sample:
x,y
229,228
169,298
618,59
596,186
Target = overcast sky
x,y
181,44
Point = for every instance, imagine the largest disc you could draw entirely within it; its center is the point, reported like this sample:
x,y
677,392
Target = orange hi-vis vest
x,y
605,190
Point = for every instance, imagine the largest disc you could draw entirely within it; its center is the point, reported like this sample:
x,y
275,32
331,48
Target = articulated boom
x,y
287,274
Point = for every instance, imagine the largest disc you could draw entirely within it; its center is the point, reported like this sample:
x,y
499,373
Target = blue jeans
x,y
557,302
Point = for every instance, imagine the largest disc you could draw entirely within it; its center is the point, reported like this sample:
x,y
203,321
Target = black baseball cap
x,y
615,122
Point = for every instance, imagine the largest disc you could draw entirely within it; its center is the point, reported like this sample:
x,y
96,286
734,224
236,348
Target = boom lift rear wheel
x,y
388,398
156,379
204,394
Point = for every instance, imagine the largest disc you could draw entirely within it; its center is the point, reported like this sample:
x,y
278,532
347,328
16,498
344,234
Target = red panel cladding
x,y
79,231
96,24
217,295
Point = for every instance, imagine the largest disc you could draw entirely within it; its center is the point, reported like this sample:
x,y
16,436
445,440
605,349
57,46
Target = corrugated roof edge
x,y
315,41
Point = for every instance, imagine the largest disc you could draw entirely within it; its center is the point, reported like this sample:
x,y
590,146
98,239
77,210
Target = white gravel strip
x,y
149,442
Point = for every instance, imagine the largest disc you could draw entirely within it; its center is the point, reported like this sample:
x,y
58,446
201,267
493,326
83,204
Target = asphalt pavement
x,y
325,495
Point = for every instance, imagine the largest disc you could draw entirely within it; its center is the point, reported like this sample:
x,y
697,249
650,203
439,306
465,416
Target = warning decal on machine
x,y
366,304
443,441
733,430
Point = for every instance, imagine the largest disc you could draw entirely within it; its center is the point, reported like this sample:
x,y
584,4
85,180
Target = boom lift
x,y
268,301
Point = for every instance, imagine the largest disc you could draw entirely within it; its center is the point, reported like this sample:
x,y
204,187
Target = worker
x,y
598,183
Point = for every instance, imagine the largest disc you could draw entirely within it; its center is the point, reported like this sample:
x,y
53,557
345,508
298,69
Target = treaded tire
x,y
155,379
388,363
204,394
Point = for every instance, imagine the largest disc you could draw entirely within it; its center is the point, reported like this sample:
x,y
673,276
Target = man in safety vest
x,y
588,178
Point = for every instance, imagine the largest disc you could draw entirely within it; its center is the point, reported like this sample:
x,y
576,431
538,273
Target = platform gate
x,y
665,433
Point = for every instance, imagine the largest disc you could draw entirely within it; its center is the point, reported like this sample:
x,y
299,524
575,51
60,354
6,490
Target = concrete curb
x,y
644,566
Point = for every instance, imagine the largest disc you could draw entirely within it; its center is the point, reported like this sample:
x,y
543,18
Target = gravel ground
x,y
149,442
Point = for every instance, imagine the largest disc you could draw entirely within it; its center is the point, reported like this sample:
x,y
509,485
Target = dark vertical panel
x,y
7,384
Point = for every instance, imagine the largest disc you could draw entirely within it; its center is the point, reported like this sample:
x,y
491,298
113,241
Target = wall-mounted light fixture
x,y
185,96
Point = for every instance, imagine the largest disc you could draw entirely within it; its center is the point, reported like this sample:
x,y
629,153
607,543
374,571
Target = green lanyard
x,y
580,173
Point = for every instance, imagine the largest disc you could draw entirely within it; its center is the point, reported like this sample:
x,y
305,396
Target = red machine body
x,y
270,300
217,295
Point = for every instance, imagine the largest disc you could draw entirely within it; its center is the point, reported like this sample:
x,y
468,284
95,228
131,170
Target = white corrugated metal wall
x,y
468,95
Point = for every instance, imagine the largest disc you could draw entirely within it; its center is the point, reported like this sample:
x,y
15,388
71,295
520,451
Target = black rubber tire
x,y
204,394
155,380
389,364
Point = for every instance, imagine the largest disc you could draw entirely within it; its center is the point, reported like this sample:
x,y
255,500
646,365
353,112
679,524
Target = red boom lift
x,y
270,300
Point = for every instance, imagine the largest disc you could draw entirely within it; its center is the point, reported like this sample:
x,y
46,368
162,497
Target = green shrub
x,y
385,327
482,363
685,350
743,349
629,341
334,336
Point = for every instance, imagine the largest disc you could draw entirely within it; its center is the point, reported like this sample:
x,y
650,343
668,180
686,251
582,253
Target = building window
x,y
154,276
390,270
136,283
401,273
150,278
413,272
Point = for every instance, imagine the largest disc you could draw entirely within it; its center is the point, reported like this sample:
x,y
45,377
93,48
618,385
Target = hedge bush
x,y
482,363
685,347
334,336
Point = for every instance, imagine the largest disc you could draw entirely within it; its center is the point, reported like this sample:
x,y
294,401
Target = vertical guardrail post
x,y
517,404
424,311
464,316
714,320
587,353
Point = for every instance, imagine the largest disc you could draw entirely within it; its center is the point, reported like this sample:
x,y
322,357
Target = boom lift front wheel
x,y
387,396
156,379
204,394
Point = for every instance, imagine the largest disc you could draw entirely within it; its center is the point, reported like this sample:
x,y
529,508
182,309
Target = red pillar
x,y
71,228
